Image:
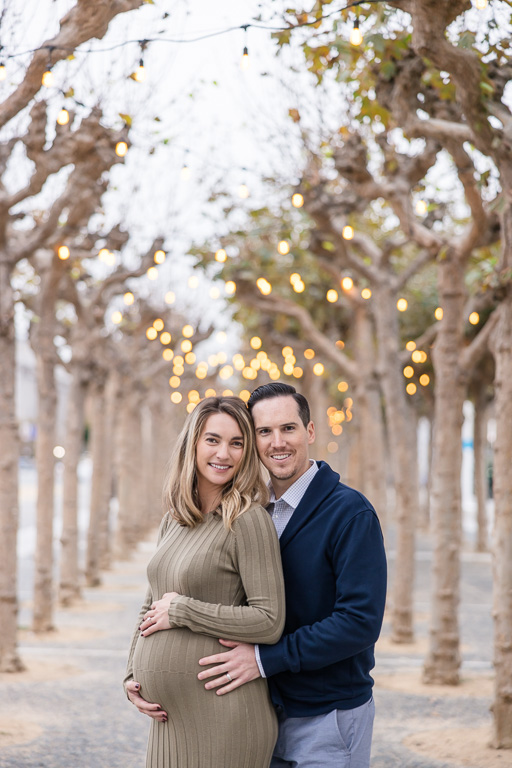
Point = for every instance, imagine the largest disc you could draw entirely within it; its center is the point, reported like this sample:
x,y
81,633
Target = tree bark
x,y
480,454
502,538
98,514
45,463
69,561
129,477
403,453
443,660
9,457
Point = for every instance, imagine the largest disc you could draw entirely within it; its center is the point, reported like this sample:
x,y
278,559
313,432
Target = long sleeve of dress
x,y
257,558
144,609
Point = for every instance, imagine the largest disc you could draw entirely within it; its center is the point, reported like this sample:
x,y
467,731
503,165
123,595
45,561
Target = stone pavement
x,y
73,713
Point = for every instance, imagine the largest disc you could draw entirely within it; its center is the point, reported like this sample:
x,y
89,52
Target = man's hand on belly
x,y
158,615
234,668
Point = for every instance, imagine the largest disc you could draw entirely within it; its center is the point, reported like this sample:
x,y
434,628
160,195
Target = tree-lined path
x,y
71,709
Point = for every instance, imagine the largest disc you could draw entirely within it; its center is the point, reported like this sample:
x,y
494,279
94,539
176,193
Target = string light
x,y
165,338
309,354
128,298
121,148
481,4
3,72
297,200
474,318
342,386
221,255
159,257
332,296
243,191
170,297
244,62
318,369
63,117
438,314
63,252
356,38
347,283
116,317
347,232
140,73
424,379
152,273
151,333
187,331
158,325
366,293
185,173
421,207
255,342
264,286
230,287
402,305
410,346
283,247
411,388
408,371
48,79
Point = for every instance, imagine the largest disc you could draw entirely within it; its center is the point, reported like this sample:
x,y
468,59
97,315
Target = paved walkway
x,y
77,716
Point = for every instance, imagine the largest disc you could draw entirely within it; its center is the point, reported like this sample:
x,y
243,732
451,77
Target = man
x,y
335,580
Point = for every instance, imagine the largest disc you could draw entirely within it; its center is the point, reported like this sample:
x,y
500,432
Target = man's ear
x,y
311,432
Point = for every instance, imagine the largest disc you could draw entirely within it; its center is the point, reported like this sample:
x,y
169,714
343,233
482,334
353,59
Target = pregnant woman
x,y
216,574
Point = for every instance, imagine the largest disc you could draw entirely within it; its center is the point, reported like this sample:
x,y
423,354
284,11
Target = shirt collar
x,y
293,495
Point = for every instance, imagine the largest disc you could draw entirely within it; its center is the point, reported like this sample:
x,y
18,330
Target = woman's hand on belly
x,y
157,617
145,707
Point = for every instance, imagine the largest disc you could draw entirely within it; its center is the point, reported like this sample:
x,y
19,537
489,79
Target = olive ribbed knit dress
x,y
231,586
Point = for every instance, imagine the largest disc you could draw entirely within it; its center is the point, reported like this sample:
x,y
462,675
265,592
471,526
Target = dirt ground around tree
x,y
68,709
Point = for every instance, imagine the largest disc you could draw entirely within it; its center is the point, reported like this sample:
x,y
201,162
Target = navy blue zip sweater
x,y
335,581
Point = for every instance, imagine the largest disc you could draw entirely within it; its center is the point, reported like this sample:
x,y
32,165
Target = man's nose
x,y
277,438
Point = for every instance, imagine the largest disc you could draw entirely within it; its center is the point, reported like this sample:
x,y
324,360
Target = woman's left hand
x,y
158,615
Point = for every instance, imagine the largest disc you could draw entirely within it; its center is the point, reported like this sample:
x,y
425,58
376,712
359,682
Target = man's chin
x,y
284,474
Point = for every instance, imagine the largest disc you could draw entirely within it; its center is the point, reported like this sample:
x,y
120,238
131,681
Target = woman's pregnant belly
x,y
165,664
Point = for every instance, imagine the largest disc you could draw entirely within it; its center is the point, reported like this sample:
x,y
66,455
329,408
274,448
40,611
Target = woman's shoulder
x,y
254,516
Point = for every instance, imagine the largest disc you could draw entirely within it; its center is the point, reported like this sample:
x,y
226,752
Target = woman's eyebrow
x,y
214,434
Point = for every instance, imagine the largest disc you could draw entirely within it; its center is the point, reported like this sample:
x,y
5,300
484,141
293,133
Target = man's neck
x,y
280,486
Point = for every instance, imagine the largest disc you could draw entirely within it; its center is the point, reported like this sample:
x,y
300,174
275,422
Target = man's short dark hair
x,y
277,389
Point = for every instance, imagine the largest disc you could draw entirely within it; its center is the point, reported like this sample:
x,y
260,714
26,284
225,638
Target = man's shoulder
x,y
327,478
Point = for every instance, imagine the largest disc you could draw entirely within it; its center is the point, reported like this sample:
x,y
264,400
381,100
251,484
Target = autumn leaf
x,y
294,114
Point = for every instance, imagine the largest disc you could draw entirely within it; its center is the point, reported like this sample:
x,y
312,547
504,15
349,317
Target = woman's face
x,y
219,450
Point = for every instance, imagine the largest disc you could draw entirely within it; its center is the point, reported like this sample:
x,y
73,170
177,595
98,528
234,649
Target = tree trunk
x,y
315,392
129,477
45,442
403,455
9,456
69,562
105,531
369,407
480,453
98,517
443,660
502,539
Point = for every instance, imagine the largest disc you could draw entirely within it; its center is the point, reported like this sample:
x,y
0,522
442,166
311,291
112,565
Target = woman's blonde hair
x,y
180,490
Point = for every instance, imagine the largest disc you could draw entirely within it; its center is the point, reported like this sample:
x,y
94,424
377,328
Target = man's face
x,y
282,440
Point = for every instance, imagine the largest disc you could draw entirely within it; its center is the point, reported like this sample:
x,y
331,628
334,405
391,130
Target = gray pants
x,y
340,739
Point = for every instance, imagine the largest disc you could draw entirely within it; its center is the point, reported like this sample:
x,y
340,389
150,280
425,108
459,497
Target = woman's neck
x,y
209,496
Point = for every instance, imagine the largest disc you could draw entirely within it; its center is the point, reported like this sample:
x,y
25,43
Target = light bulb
x,y
121,148
356,37
3,72
140,73
48,79
244,63
63,117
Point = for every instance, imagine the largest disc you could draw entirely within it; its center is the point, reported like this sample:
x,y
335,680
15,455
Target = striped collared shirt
x,y
281,511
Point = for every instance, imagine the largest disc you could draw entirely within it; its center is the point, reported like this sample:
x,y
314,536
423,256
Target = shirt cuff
x,y
258,660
